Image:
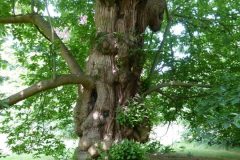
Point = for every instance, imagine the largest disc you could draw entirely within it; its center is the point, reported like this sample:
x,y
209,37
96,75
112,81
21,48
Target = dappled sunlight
x,y
96,115
177,29
40,85
3,144
167,135
13,72
22,93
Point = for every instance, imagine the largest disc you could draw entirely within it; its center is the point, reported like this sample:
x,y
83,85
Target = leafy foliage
x,y
2,155
205,50
36,123
139,110
131,150
125,150
215,120
157,147
133,114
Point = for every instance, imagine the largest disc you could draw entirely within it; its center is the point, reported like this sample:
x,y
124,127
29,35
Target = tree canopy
x,y
190,70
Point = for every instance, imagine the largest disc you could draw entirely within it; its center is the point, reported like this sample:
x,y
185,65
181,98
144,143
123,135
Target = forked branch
x,y
48,84
45,29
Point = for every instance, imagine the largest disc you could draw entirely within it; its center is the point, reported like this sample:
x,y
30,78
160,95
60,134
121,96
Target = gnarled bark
x,y
115,62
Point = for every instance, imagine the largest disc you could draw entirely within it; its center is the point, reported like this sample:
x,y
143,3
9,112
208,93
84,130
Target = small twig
x,y
13,5
174,84
169,123
165,34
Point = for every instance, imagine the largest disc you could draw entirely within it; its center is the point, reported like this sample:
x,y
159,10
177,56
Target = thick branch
x,y
45,29
174,84
49,84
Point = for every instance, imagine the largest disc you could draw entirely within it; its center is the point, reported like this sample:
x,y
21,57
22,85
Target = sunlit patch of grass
x,y
202,150
25,157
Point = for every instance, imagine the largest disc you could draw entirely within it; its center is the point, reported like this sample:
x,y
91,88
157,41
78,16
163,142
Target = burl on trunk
x,y
115,63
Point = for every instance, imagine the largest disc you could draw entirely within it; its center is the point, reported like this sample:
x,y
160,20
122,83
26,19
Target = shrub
x,y
125,150
157,147
138,110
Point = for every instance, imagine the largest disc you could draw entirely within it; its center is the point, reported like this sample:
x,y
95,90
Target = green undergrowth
x,y
189,150
202,150
25,157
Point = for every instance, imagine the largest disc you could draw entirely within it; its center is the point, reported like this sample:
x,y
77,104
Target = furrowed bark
x,y
116,61
45,29
49,84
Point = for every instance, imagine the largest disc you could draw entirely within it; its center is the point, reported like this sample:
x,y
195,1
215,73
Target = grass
x,y
191,151
205,151
25,157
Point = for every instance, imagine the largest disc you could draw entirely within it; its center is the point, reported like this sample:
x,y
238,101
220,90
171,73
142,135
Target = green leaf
x,y
237,121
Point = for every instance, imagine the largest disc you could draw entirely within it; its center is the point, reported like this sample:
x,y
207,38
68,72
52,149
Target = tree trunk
x,y
115,63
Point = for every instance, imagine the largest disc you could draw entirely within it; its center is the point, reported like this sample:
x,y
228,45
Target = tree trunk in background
x,y
115,62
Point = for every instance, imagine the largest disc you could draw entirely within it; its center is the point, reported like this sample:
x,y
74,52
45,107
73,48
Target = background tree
x,y
130,80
